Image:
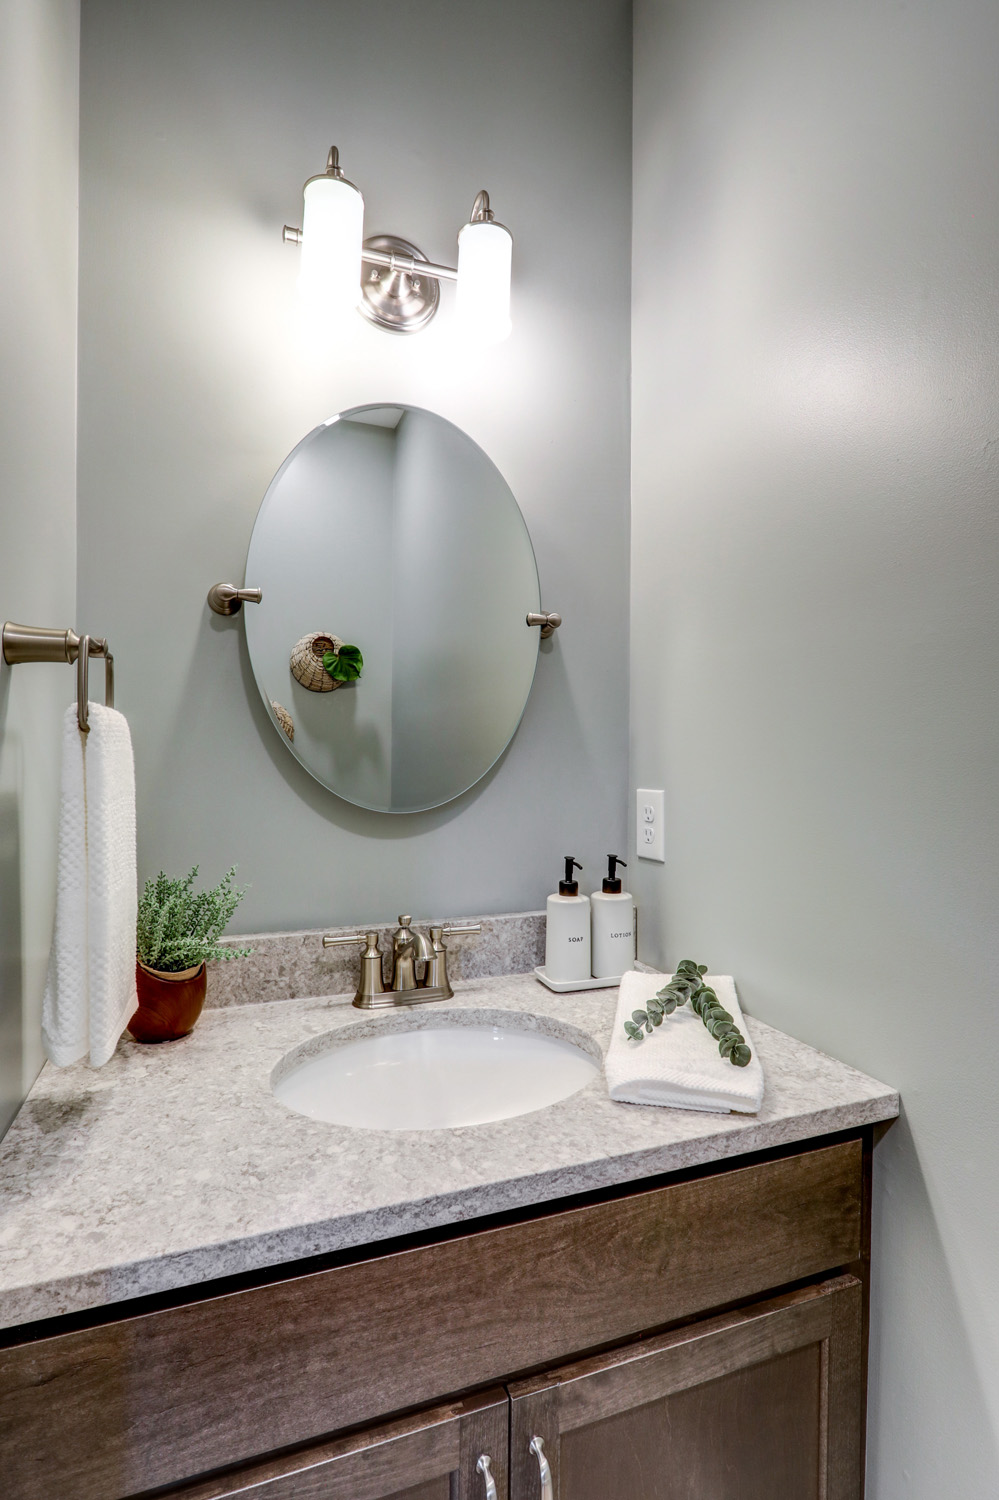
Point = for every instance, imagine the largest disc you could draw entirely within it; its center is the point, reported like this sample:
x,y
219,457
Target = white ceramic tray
x,y
566,986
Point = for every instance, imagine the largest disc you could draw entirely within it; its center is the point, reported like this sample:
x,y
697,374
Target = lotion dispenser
x,y
613,925
567,930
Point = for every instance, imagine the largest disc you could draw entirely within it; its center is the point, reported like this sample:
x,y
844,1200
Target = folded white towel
x,y
679,1064
90,988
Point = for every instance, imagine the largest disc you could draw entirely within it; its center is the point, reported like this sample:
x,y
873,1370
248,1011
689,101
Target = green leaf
x,y
635,1032
344,665
639,1016
687,987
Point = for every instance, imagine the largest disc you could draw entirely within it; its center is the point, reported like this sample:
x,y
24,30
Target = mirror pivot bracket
x,y
226,599
549,623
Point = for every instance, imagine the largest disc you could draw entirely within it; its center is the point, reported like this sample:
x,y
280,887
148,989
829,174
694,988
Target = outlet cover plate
x,y
649,839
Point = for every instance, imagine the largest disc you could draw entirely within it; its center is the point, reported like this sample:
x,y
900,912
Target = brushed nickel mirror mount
x,y
549,622
227,599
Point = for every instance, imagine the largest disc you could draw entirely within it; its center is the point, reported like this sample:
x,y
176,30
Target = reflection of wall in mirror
x,y
463,579
322,538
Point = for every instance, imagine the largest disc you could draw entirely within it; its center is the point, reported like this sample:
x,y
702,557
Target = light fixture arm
x,y
391,261
481,212
409,264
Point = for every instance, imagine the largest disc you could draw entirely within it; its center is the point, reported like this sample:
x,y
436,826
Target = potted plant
x,y
176,932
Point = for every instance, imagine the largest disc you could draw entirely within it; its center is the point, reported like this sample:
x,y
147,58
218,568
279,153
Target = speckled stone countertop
x,y
175,1165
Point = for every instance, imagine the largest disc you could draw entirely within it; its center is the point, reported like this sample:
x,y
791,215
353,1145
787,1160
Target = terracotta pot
x,y
169,1004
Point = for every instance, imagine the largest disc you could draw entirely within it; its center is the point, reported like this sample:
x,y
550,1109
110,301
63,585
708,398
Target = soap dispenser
x,y
613,925
567,931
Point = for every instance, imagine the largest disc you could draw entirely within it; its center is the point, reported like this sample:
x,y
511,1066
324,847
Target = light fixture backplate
x,y
397,300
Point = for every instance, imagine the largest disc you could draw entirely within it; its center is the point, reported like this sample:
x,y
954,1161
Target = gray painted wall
x,y
39,50
816,438
199,125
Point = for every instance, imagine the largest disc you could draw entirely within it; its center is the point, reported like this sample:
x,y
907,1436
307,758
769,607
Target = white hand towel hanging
x,y
679,1064
90,988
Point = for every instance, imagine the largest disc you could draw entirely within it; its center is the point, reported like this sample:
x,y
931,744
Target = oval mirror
x,y
389,531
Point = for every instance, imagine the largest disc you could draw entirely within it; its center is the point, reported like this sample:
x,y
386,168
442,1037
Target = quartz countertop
x,y
175,1164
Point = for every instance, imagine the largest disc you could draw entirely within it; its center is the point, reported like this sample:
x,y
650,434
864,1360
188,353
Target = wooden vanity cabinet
x,y
698,1337
763,1403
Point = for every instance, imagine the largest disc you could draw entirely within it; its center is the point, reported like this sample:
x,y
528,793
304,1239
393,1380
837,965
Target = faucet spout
x,y
409,947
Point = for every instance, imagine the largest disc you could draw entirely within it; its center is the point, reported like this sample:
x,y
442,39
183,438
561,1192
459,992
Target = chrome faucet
x,y
409,948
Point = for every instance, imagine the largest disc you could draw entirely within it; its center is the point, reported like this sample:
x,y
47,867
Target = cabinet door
x,y
765,1403
454,1452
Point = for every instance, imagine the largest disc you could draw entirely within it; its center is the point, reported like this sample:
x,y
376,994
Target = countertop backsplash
x,y
296,966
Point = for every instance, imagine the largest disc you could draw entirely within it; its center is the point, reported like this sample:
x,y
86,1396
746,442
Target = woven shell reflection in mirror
x,y
284,718
307,661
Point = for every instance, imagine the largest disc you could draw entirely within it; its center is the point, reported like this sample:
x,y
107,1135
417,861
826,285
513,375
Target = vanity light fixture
x,y
389,279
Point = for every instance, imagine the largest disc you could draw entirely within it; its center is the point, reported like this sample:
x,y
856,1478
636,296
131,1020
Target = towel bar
x,y
23,643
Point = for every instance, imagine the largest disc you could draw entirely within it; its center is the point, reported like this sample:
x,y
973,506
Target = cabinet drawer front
x,y
216,1382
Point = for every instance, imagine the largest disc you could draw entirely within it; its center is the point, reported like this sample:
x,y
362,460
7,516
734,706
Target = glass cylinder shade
x,y
332,230
485,252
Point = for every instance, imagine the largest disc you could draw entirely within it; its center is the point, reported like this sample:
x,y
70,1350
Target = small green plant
x,y
344,665
177,928
687,984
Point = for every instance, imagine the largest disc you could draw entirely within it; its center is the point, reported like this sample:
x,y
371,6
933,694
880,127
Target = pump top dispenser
x,y
613,940
567,930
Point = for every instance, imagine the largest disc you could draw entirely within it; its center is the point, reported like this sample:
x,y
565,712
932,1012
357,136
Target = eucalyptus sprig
x,y
686,985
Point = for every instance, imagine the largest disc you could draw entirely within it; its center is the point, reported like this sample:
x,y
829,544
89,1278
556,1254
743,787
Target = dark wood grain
x,y
430,1455
485,1428
216,1382
758,1403
537,1417
749,1435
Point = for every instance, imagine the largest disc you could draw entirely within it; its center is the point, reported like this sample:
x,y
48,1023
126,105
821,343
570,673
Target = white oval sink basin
x,y
433,1078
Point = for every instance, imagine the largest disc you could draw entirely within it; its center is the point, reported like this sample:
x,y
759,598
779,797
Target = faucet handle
x,y
371,982
436,975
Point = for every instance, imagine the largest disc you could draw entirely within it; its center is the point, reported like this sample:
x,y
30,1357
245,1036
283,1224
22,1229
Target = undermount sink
x,y
433,1076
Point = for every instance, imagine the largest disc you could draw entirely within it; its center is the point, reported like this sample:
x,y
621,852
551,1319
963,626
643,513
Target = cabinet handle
x,y
483,1468
538,1449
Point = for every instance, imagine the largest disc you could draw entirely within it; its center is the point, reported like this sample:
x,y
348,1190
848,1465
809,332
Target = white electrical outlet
x,y
650,842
